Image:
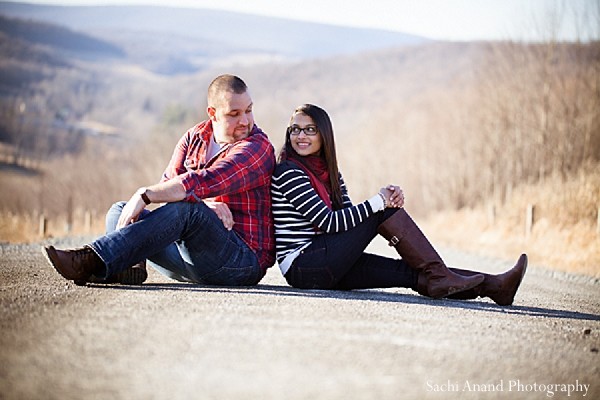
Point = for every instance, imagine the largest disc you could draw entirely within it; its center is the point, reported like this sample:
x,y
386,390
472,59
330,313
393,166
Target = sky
x,y
526,20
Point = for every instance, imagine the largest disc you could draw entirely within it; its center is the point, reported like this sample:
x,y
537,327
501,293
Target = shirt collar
x,y
206,130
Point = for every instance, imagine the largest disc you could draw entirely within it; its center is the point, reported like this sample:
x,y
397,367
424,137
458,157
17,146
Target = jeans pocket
x,y
242,269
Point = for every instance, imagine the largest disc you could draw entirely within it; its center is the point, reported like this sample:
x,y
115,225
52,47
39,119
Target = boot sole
x,y
131,276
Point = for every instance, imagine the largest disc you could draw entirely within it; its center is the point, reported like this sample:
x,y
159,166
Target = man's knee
x,y
113,214
196,212
117,207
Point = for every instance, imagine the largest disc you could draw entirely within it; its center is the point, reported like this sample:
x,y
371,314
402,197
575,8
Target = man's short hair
x,y
222,84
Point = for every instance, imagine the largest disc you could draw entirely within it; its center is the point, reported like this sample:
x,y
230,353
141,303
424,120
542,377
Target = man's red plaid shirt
x,y
239,175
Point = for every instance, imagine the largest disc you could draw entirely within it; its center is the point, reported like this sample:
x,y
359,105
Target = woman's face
x,y
305,145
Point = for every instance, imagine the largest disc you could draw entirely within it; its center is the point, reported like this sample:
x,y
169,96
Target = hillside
x,y
175,40
31,52
57,37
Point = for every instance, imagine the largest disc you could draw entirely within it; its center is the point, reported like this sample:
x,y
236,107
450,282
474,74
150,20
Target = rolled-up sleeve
x,y
176,165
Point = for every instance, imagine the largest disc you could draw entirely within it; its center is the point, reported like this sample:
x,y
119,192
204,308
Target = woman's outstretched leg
x,y
372,271
414,248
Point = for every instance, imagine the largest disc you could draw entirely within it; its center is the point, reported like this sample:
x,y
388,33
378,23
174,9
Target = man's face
x,y
232,117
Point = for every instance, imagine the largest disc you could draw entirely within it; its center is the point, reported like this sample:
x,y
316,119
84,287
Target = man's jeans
x,y
184,241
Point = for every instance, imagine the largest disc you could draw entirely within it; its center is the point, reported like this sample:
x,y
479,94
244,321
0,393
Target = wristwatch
x,y
143,193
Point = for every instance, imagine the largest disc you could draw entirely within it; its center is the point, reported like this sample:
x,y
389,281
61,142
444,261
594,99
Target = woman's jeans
x,y
338,261
184,241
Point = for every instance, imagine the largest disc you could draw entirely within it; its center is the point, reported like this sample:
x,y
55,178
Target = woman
x,y
321,236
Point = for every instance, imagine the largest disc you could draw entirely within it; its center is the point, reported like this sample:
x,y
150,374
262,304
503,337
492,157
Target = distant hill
x,y
31,51
56,36
175,40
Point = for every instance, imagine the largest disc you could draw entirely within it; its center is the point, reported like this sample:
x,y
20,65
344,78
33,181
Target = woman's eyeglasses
x,y
309,130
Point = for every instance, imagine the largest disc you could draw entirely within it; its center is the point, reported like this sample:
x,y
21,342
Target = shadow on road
x,y
360,295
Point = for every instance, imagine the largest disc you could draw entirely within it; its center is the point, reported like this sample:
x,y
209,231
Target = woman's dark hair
x,y
325,128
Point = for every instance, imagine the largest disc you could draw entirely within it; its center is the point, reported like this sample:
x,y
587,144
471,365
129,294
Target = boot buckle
x,y
394,241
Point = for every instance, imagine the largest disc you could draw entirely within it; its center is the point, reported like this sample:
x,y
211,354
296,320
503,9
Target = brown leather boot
x,y
135,275
436,280
500,288
77,264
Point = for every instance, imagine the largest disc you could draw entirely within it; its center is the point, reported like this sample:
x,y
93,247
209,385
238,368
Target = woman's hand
x,y
394,196
222,211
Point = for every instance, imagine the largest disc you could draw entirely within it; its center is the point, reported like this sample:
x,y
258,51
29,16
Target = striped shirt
x,y
300,214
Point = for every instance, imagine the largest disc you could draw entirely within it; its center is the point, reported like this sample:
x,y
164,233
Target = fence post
x,y
529,220
88,221
491,214
598,224
43,226
69,224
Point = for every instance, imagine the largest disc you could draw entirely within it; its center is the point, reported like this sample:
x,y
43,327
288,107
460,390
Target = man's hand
x,y
131,211
222,211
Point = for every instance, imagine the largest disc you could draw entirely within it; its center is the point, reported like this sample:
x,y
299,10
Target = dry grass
x,y
565,235
575,249
23,228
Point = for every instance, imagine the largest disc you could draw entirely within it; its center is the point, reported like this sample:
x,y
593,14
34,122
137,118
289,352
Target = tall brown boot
x,y
500,288
435,279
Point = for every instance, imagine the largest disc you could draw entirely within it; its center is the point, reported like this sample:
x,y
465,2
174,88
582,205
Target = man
x,y
216,226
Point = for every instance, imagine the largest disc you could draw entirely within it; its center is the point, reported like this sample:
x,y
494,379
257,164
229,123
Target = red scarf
x,y
316,169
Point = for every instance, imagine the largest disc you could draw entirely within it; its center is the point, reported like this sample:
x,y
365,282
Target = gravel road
x,y
168,340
